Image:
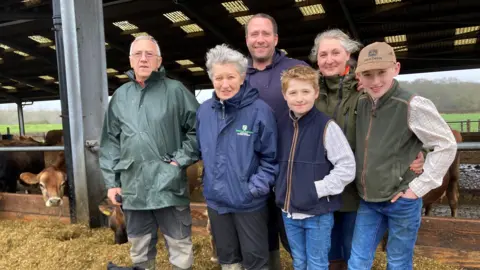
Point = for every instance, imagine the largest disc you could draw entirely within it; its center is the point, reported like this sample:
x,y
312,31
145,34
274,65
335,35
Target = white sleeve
x,y
430,128
341,156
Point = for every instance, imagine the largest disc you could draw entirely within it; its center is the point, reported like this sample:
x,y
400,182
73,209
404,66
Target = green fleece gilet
x,y
385,145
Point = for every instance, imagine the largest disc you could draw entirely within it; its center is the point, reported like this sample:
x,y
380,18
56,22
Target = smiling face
x,y
144,59
261,39
226,80
300,96
332,57
378,81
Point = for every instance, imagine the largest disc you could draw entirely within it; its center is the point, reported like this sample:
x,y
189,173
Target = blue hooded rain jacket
x,y
238,144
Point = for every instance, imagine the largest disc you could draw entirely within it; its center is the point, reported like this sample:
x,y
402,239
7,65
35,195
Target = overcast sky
x,y
469,75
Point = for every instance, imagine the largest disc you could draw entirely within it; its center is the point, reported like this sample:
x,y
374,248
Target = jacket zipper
x,y
374,107
286,205
345,124
223,111
340,96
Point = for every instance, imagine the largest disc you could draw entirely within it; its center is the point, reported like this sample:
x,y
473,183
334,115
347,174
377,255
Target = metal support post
x,y
62,81
21,122
84,43
69,31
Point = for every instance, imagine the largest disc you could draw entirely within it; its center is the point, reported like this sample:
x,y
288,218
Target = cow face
x,y
116,221
52,183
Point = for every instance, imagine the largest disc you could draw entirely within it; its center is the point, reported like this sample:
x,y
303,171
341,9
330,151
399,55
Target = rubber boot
x,y
235,266
274,260
148,265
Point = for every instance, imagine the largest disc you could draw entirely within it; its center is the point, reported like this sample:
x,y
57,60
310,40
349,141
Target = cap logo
x,y
372,53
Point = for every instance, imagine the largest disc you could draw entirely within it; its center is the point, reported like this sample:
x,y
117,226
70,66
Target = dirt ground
x,y
52,245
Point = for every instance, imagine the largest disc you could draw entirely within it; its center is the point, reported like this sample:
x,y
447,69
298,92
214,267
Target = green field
x,y
473,117
39,128
29,128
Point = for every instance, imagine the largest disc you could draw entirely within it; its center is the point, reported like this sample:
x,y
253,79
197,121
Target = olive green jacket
x,y
141,125
338,99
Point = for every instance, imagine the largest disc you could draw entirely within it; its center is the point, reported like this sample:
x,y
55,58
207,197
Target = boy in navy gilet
x,y
316,163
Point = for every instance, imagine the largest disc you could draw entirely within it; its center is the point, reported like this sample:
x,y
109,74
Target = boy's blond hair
x,y
302,73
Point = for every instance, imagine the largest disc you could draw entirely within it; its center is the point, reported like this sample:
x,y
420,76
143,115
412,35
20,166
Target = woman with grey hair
x,y
237,137
339,94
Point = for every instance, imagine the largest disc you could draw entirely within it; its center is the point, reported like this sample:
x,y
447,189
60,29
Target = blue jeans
x,y
309,241
342,235
402,219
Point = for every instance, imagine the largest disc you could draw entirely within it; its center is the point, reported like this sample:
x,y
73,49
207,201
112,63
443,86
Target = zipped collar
x,y
244,97
331,84
304,118
383,99
155,76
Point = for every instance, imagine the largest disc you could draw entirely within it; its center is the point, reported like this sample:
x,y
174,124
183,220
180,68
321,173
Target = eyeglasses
x,y
148,55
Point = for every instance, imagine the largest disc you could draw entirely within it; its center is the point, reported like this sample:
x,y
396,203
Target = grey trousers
x,y
175,223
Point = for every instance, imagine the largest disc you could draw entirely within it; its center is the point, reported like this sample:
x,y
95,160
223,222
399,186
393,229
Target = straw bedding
x,y
50,244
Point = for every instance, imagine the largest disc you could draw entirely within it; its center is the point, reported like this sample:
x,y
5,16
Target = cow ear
x,y
107,210
29,178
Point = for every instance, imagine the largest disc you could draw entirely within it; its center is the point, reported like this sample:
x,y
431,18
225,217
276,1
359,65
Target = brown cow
x,y
14,163
52,181
449,185
116,221
54,137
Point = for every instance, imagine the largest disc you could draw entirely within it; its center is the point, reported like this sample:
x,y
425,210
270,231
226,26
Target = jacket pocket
x,y
123,165
162,176
280,187
303,192
234,193
127,176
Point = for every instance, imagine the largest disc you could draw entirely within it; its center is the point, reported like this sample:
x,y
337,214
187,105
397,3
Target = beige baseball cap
x,y
378,55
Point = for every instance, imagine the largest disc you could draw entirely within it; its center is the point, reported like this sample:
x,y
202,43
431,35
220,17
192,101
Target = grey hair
x,y
145,37
222,54
350,45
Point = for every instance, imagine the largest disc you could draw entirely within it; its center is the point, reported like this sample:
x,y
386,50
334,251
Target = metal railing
x,y
465,125
31,148
464,146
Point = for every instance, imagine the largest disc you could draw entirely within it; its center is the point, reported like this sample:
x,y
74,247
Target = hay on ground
x,y
50,244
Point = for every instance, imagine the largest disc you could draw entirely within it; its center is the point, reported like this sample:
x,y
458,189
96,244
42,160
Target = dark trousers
x,y
342,235
276,227
241,238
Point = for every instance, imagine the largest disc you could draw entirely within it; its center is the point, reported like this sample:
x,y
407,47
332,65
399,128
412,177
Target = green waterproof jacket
x,y
338,99
141,126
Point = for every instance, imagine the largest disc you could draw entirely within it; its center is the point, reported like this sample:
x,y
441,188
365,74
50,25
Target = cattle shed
x,y
77,51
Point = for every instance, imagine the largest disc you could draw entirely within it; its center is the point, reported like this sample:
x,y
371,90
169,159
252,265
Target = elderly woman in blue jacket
x,y
237,136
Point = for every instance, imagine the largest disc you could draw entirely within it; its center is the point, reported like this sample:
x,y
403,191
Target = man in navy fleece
x,y
265,66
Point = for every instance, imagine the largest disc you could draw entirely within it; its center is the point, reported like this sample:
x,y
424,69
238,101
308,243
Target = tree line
x,y
449,95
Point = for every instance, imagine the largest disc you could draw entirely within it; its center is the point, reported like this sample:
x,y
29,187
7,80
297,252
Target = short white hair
x,y
350,45
144,37
222,54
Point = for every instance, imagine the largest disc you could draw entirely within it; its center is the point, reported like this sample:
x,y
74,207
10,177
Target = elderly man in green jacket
x,y
148,140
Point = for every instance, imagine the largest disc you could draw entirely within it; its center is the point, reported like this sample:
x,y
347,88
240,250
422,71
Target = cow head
x,y
52,181
116,221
